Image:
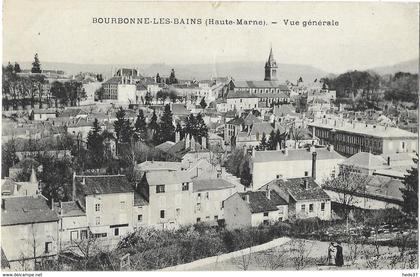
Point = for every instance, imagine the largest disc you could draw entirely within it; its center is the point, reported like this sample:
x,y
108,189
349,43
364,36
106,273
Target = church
x,y
244,95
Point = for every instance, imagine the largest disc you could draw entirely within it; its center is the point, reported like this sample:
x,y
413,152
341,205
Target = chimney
x,y
203,143
192,143
52,204
74,187
268,193
187,141
177,137
305,183
314,165
246,198
388,161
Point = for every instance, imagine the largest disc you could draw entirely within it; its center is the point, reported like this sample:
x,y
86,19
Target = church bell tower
x,y
271,68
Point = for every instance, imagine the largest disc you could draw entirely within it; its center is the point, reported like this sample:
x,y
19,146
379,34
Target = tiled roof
x,y
71,208
258,202
26,210
251,119
295,154
260,84
159,165
240,94
296,188
365,160
211,184
165,146
103,184
283,110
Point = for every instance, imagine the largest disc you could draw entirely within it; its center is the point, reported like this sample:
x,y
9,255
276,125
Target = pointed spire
x,y
271,56
33,179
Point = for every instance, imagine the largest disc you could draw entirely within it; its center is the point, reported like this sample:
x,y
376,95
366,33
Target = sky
x,y
368,35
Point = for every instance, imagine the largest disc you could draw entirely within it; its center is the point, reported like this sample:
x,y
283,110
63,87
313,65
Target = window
x,y
140,218
160,188
116,232
216,217
198,207
266,214
266,222
98,220
48,246
178,212
97,207
162,213
306,173
198,219
122,205
311,208
185,186
83,234
302,207
207,195
74,235
322,207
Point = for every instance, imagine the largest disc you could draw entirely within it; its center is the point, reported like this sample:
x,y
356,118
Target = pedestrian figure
x,y
332,251
339,260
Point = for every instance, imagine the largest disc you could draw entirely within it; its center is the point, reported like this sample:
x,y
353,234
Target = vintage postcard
x,y
209,136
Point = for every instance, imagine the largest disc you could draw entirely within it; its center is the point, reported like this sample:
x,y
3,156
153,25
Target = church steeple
x,y
271,67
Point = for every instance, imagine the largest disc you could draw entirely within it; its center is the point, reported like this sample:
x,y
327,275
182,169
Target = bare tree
x,y
243,261
272,259
348,185
300,251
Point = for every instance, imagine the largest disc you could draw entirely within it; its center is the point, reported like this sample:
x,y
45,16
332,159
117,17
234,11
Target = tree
x,y
245,172
201,130
279,139
140,127
99,77
58,92
36,65
297,134
411,190
158,79
173,96
99,93
16,68
272,142
203,103
8,157
347,185
172,78
95,144
166,128
153,125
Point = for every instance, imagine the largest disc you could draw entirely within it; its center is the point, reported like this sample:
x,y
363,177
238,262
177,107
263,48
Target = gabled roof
x,y
103,184
165,146
236,121
140,200
26,210
211,184
283,110
258,202
240,94
251,119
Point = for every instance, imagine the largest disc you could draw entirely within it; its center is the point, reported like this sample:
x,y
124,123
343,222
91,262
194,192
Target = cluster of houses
x,y
314,145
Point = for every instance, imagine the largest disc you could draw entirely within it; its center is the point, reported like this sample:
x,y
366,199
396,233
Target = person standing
x,y
332,251
339,260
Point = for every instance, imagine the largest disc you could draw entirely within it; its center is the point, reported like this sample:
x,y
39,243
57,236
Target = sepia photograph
x,y
209,136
